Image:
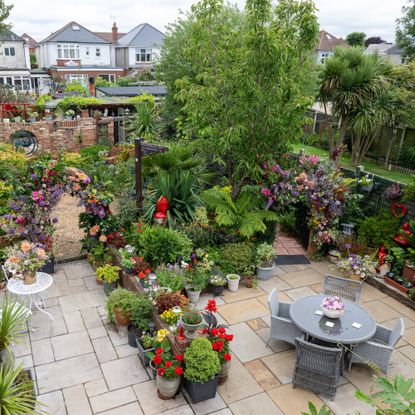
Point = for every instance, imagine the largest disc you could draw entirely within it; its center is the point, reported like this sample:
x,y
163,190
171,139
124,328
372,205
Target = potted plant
x,y
357,267
265,256
169,372
191,320
366,182
140,318
127,262
233,281
33,116
99,255
411,294
332,307
333,256
217,283
120,304
160,341
109,275
220,340
196,281
202,366
69,114
27,259
251,281
145,345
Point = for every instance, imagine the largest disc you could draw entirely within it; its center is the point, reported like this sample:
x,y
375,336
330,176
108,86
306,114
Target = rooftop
x,y
328,42
132,91
142,35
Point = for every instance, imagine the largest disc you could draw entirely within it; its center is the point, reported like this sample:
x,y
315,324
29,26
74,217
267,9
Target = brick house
x,y
75,54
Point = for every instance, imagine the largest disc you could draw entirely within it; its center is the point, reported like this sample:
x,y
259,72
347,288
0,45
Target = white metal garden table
x,y
33,291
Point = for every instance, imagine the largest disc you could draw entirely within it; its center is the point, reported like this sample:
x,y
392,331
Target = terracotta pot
x,y
29,277
167,388
224,371
409,273
396,285
121,318
249,282
99,282
355,277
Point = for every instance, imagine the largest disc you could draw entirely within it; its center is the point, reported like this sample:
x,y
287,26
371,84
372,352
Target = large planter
x,y
265,273
145,360
49,267
409,272
109,288
153,369
233,282
193,295
190,329
122,318
132,334
224,371
199,392
396,285
167,388
217,289
29,277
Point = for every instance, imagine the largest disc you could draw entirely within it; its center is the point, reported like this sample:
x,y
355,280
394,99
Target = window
x,y
67,51
143,55
87,51
81,79
110,77
98,52
9,52
324,56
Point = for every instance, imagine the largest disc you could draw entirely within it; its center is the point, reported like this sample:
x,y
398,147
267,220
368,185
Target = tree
x,y
351,83
144,122
4,14
405,30
356,39
243,98
374,40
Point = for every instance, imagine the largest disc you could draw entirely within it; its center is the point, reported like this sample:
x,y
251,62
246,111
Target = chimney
x,y
114,33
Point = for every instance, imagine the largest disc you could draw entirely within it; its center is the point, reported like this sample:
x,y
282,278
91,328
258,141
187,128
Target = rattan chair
x,y
282,327
342,287
378,350
317,367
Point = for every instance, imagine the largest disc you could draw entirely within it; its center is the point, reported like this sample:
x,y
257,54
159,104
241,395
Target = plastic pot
x,y
199,392
49,267
217,289
142,352
233,281
193,295
132,334
265,273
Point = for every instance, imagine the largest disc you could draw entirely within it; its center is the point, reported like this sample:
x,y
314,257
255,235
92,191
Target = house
x,y
388,51
139,48
75,54
31,43
111,37
14,61
326,45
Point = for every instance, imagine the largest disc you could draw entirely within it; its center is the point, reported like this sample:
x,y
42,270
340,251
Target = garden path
x,y
83,364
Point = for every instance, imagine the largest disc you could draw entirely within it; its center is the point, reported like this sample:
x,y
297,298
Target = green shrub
x,y
236,258
123,299
380,229
159,245
167,278
141,312
407,158
108,273
143,98
203,236
201,361
76,87
76,103
41,101
125,80
102,82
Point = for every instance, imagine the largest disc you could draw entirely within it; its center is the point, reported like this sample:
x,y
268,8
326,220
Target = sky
x,y
41,17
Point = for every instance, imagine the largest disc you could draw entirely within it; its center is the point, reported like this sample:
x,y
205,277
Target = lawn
x,y
345,162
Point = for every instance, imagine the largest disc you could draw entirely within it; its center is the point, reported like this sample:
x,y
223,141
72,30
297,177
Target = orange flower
x,y
94,230
41,253
26,246
103,238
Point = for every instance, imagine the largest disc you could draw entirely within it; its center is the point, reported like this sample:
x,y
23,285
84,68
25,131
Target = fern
x,y
243,214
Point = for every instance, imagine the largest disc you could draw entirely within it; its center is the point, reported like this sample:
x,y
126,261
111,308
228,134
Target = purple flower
x,y
34,176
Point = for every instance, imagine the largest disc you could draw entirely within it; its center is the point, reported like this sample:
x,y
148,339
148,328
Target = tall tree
x,y
351,82
244,99
405,30
356,39
4,14
374,40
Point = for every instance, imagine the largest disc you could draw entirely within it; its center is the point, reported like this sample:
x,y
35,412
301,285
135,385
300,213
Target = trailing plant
x,y
76,103
201,361
122,299
108,273
243,214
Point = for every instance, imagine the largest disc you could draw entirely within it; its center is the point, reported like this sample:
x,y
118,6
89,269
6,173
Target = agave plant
x,y
244,213
16,393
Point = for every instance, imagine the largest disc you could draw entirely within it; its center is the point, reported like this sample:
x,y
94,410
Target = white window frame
x,y
144,55
79,78
68,51
108,77
10,51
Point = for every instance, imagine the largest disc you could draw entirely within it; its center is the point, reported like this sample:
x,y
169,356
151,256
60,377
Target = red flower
x,y
178,370
205,331
218,346
168,363
229,337
211,306
179,357
142,275
161,371
214,332
159,350
157,359
227,357
147,271
221,330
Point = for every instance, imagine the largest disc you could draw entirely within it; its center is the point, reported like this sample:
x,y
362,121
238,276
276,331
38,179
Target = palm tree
x,y
144,122
351,82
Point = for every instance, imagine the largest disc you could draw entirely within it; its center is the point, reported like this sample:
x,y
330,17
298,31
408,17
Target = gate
x,y
301,224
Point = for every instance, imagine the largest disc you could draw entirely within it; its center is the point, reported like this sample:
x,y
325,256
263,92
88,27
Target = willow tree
x,y
243,96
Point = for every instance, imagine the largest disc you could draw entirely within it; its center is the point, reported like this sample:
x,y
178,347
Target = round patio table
x,y
339,330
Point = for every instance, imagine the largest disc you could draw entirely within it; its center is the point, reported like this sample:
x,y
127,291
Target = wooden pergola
x,y
142,149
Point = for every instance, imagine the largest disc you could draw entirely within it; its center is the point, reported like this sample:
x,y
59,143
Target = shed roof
x,y
132,91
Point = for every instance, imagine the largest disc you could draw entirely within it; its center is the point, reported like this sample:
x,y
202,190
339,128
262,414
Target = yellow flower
x,y
26,246
161,334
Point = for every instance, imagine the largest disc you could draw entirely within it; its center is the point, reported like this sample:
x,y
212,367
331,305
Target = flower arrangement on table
x,y
357,266
333,307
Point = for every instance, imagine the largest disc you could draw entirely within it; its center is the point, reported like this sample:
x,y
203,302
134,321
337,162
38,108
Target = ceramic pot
x,y
249,282
193,295
29,277
233,282
153,369
128,271
217,289
167,388
265,273
190,329
333,256
409,272
224,371
332,313
99,282
122,318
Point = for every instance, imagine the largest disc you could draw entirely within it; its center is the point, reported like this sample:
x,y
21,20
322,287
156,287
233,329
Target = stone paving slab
x,y
84,365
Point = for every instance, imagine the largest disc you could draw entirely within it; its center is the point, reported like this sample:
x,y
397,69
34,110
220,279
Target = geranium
x,y
167,365
157,359
220,343
211,306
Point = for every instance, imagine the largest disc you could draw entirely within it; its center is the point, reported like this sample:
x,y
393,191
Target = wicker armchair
x,y
378,350
317,367
342,287
282,328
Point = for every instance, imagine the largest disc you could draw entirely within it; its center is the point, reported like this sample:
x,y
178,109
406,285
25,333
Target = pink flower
x,y
266,192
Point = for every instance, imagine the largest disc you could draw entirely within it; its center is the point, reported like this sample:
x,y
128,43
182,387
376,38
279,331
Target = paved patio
x,y
83,364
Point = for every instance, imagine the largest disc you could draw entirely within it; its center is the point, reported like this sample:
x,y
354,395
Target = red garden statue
x,y
162,206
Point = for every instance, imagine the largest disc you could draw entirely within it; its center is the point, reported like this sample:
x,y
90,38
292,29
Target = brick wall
x,y
55,136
